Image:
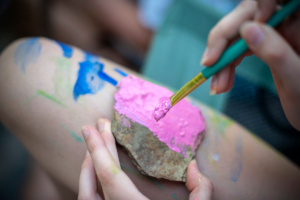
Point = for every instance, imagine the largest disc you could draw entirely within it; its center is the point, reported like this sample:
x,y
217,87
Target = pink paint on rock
x,y
161,109
182,126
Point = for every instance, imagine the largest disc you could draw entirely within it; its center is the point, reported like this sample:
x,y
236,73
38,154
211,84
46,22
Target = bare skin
x,y
48,124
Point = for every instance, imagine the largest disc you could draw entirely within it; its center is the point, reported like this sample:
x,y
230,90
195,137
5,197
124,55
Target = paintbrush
x,y
229,55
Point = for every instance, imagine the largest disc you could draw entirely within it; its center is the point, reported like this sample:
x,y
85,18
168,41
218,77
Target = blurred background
x,y
162,39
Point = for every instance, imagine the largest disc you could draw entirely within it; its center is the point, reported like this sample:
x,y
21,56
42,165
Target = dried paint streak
x,y
76,137
48,96
237,163
67,50
62,78
73,134
175,197
120,72
27,53
91,79
135,172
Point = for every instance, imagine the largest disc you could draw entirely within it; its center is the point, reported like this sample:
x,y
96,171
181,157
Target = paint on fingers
x,y
114,169
27,53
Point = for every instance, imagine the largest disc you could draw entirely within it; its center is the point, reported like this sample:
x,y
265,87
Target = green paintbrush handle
x,y
238,48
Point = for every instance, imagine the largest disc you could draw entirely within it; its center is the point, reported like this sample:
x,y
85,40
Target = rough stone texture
x,y
151,156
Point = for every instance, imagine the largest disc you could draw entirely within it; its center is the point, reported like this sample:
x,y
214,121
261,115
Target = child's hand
x,y
103,163
279,50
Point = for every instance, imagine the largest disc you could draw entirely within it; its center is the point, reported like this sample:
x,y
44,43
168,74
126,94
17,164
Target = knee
x,y
23,66
23,53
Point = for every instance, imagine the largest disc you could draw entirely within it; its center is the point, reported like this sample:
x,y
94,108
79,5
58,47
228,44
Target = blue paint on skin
x,y
91,57
237,163
91,79
120,72
27,53
67,50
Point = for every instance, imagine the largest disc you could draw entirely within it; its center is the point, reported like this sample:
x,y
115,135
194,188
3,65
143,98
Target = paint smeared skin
x,y
62,78
91,79
67,50
175,197
48,96
182,127
27,53
73,134
120,72
90,57
237,163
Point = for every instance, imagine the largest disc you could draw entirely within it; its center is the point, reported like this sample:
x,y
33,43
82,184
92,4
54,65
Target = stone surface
x,y
151,156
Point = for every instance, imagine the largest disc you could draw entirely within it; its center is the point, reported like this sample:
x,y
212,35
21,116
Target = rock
x,y
151,156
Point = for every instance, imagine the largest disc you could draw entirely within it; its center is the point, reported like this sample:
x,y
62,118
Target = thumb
x,y
283,61
269,46
200,187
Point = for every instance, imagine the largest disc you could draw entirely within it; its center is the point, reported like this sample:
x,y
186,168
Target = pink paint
x,y
182,126
162,108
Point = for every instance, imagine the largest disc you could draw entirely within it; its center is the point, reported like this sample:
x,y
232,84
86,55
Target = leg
x,y
40,106
49,117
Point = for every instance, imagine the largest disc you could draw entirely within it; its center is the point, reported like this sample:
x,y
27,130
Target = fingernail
x,y
204,57
194,161
87,153
100,124
85,132
213,86
252,34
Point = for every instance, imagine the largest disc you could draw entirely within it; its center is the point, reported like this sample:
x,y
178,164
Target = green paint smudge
x,y
114,169
62,78
221,123
76,137
73,134
48,96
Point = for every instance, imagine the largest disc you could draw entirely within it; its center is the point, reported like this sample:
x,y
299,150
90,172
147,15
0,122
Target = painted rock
x,y
151,156
164,148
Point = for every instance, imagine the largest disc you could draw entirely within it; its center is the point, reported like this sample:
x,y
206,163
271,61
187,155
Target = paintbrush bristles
x,y
187,88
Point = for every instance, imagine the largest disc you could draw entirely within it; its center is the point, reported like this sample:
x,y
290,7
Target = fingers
x,y
219,38
87,181
269,46
199,186
265,10
108,171
104,127
284,63
226,30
